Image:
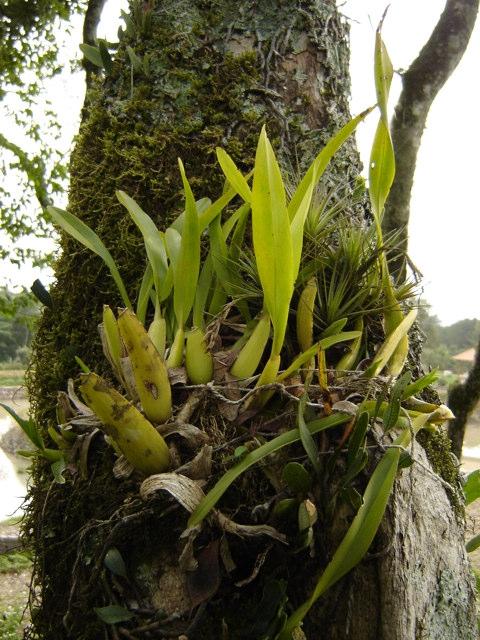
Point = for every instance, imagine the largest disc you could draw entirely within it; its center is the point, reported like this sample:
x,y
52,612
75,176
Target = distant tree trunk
x,y
217,72
462,399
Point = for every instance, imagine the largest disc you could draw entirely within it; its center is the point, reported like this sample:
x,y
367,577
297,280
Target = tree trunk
x,y
217,72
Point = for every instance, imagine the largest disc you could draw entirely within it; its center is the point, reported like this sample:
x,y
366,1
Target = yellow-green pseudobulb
x,y
148,367
198,360
135,436
305,307
249,357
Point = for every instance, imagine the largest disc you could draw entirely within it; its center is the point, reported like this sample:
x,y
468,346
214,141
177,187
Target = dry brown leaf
x,y
185,491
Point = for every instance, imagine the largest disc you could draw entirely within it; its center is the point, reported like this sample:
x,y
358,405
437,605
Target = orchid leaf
x,y
86,236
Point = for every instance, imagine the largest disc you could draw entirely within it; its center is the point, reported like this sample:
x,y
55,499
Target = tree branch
x,y
90,25
34,169
92,18
421,83
462,400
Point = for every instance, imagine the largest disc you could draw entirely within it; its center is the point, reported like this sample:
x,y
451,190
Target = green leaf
x,y
82,364
187,268
86,236
296,477
92,54
334,328
144,293
58,467
381,173
391,414
391,342
28,427
255,456
204,286
105,56
320,163
357,438
113,614
471,488
324,344
135,60
306,438
383,71
234,175
207,216
154,244
419,385
365,525
115,563
272,240
473,543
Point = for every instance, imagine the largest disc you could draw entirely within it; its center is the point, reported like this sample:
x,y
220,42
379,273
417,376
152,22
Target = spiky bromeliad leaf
x,y
255,456
272,240
86,236
365,525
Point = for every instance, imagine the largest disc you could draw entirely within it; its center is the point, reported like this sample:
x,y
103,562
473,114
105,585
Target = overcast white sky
x,y
445,225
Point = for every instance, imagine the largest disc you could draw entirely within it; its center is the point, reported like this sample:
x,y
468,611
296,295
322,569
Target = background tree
x,y
215,73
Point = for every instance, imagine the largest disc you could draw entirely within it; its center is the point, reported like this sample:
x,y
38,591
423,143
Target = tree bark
x,y
217,72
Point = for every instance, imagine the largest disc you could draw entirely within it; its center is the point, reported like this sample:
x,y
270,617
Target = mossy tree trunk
x,y
217,72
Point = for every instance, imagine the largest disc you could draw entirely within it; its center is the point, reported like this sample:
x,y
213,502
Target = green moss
x,y
437,448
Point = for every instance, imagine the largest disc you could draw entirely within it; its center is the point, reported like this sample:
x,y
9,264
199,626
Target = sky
x,y
445,221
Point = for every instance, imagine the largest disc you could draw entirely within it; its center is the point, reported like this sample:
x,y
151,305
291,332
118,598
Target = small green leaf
x,y
135,60
115,563
357,438
335,328
284,508
419,385
390,415
113,614
240,452
58,468
473,543
105,56
405,461
82,365
234,175
306,437
471,488
28,427
92,54
86,236
296,477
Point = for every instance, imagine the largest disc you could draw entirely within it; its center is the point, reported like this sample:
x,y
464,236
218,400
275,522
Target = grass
x,y
11,377
14,562
14,569
11,622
